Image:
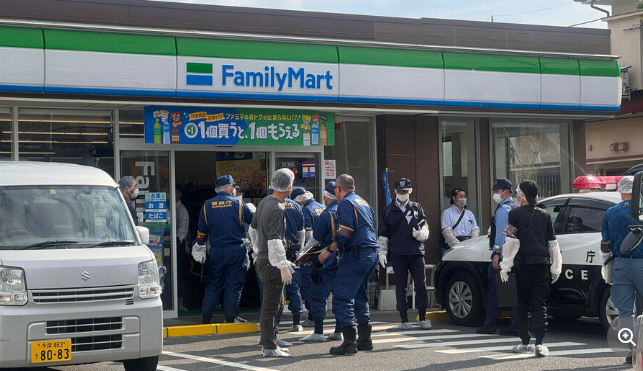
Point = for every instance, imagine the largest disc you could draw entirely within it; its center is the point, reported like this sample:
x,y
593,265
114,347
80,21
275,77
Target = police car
x,y
461,277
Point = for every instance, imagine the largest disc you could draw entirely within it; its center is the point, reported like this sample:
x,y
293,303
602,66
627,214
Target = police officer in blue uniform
x,y
326,270
627,269
312,210
502,197
222,220
402,232
295,240
356,242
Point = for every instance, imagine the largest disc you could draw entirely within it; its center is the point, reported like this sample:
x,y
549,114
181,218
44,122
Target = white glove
x,y
504,276
475,232
248,244
556,258
286,274
509,251
449,237
554,277
198,253
252,207
421,233
382,257
248,261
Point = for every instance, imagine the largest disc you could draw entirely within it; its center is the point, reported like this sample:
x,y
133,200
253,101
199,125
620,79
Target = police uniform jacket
x,y
533,227
222,220
499,223
294,220
312,210
401,240
356,221
614,228
325,230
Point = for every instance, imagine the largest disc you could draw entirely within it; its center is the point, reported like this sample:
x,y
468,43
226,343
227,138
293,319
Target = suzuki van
x,y
77,283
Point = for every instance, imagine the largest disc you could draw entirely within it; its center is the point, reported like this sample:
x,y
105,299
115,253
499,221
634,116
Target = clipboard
x,y
308,255
507,292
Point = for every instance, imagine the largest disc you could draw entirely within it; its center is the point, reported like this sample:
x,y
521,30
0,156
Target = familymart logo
x,y
198,74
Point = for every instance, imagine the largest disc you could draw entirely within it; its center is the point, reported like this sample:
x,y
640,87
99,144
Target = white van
x,y
77,283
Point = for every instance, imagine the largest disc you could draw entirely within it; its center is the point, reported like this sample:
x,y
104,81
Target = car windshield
x,y
63,217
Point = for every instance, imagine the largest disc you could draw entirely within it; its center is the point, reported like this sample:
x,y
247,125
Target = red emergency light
x,y
593,183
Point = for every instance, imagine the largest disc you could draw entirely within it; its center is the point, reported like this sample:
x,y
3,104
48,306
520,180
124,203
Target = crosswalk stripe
x,y
216,361
454,343
166,368
503,347
406,332
435,337
502,357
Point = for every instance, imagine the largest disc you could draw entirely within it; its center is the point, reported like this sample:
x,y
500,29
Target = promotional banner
x,y
387,192
231,126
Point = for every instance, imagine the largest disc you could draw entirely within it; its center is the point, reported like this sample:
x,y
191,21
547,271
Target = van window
x,y
41,217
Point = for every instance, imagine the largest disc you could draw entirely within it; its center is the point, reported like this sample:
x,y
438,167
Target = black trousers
x,y
273,301
402,265
533,291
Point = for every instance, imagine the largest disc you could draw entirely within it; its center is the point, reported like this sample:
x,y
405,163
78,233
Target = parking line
x,y
166,368
216,361
502,357
418,332
436,337
503,347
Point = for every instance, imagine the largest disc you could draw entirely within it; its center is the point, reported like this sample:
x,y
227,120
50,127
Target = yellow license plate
x,y
51,351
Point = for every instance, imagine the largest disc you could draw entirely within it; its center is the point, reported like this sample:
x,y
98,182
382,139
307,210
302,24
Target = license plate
x,y
51,351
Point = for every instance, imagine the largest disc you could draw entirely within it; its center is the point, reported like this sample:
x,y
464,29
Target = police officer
x,y
357,245
458,223
221,220
402,232
502,197
532,250
324,280
627,269
312,210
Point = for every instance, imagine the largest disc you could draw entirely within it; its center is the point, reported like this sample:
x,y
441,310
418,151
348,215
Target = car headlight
x,y
148,280
13,290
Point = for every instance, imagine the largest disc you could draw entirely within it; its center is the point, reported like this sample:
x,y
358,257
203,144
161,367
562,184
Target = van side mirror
x,y
143,234
637,199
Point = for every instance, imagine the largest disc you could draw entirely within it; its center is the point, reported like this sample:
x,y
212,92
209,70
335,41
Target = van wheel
x,y
607,312
141,364
463,300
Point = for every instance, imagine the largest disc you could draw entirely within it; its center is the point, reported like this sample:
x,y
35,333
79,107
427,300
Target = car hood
x,y
474,249
62,268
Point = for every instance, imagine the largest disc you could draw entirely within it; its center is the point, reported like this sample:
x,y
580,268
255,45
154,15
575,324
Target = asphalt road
x,y
573,345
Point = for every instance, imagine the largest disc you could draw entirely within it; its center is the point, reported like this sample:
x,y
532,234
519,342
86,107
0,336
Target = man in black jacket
x,y
402,231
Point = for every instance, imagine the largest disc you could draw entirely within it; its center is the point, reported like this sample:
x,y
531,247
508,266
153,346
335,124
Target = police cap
x,y
330,188
502,183
297,192
223,181
403,184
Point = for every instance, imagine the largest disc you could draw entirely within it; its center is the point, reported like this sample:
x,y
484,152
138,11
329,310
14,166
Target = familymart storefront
x,y
178,109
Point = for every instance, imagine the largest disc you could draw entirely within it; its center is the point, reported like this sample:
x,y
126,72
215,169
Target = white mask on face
x,y
497,197
402,198
462,202
133,194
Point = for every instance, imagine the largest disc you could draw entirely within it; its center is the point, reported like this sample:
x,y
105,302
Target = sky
x,y
542,12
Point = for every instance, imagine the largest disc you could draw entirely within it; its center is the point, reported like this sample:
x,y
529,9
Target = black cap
x,y
297,192
454,192
402,184
330,188
530,189
502,183
223,181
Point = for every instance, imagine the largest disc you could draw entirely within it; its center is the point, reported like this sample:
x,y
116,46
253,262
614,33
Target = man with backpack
x,y
401,235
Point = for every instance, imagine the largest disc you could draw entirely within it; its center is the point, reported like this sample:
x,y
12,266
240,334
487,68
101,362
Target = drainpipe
x,y
591,5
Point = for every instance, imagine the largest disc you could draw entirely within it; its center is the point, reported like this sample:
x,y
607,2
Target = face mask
x,y
240,197
134,194
497,198
234,192
402,198
462,202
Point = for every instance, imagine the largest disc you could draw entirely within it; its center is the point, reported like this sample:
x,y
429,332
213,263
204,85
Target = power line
x,y
531,11
578,24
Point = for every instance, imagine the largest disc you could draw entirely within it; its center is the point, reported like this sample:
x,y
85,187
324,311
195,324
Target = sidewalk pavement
x,y
191,325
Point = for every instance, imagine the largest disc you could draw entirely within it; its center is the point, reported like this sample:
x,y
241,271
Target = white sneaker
x,y
522,348
541,351
282,343
296,328
308,323
239,320
314,338
335,336
425,325
275,353
405,326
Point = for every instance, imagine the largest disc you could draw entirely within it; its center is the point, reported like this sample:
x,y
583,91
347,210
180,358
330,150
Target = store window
x,y
151,169
354,152
81,137
6,137
459,161
533,151
131,123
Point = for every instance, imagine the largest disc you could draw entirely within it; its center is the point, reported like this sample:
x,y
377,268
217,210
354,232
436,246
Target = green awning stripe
x,y
557,66
599,68
109,42
21,37
390,57
492,63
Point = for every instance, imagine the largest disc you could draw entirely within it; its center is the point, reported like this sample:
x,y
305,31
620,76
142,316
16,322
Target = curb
x,y
210,329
